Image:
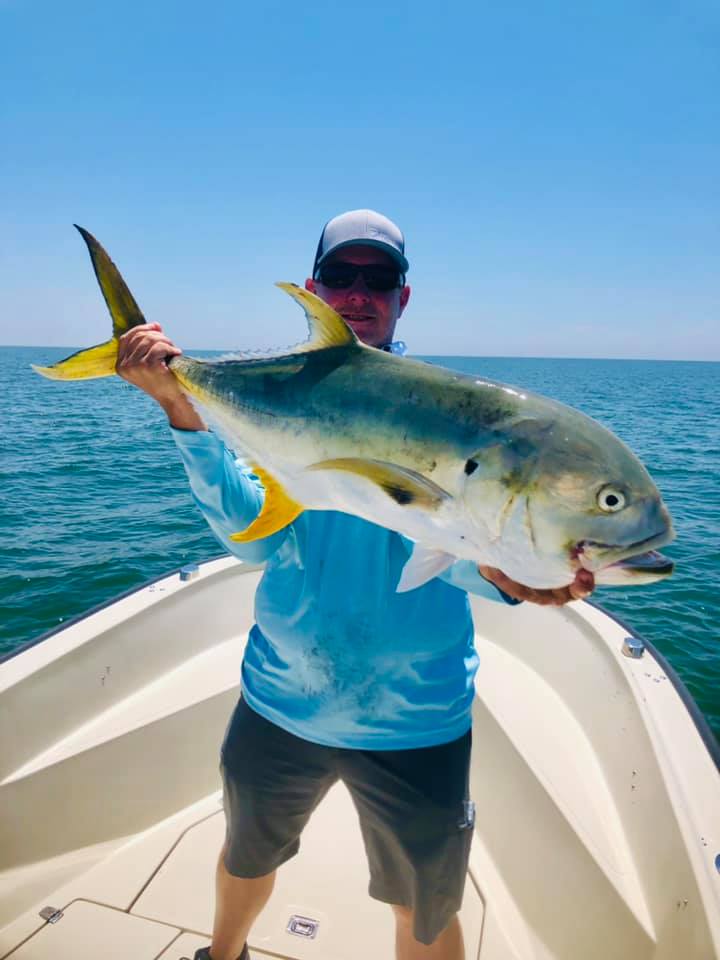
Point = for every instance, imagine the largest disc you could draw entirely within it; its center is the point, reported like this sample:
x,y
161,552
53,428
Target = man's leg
x,y
447,946
238,901
272,781
417,824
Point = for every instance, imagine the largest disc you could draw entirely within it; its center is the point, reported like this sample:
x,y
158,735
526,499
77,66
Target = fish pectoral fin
x,y
327,328
424,564
87,364
278,510
404,486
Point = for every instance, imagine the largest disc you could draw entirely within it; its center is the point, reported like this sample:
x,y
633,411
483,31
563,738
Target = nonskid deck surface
x,y
321,895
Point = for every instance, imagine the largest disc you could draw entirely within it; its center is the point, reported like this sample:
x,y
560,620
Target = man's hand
x,y
143,353
579,589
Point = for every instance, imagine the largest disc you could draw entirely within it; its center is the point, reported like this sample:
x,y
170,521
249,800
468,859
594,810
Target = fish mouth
x,y
637,562
640,568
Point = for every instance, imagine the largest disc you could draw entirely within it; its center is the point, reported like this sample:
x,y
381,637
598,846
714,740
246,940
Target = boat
x,y
595,779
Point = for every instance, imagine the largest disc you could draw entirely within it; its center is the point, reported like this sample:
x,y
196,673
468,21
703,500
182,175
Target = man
x,y
342,678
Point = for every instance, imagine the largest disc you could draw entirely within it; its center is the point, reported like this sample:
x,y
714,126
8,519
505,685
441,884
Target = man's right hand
x,y
143,353
579,589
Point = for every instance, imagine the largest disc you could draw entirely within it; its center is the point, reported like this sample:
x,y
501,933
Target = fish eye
x,y
611,499
470,467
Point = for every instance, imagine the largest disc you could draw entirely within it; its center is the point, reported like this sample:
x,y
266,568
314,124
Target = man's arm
x,y
493,584
579,589
143,353
229,497
465,575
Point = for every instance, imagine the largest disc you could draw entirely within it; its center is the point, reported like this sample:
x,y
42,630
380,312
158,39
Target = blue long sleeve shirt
x,y
336,655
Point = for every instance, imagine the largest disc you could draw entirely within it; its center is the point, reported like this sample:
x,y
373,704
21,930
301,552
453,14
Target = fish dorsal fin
x,y
278,510
123,309
327,328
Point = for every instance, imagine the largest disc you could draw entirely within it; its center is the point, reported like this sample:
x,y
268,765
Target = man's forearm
x,y
143,356
182,414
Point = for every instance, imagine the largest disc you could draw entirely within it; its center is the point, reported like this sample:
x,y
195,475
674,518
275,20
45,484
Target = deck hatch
x,y
303,926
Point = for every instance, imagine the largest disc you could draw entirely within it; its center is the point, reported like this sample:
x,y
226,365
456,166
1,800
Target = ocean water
x,y
95,501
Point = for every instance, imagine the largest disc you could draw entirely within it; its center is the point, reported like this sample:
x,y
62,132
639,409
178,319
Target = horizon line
x,y
458,356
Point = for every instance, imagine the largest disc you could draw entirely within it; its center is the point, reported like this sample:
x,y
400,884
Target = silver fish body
x,y
516,475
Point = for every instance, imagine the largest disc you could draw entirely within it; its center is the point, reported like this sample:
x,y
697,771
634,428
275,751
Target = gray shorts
x,y
415,815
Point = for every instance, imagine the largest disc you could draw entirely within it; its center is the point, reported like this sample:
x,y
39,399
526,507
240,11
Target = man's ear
x,y
310,285
404,297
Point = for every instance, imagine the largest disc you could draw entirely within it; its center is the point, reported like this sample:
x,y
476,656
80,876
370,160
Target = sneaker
x,y
204,954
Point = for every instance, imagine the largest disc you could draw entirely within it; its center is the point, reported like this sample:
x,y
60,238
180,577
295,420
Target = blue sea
x,y
95,500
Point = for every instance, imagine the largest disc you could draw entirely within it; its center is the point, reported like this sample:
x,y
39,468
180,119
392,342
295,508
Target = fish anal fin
x,y
424,564
98,361
327,328
406,487
277,512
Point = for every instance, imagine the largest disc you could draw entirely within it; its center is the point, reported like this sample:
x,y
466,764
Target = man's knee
x,y
403,915
405,919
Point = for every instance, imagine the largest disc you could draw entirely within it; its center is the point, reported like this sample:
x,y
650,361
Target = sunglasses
x,y
339,276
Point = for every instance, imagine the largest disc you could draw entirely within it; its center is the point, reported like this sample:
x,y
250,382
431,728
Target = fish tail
x,y
100,360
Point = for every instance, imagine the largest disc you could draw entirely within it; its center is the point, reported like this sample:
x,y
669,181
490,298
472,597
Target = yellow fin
x,y
124,311
87,364
405,486
327,328
277,512
100,361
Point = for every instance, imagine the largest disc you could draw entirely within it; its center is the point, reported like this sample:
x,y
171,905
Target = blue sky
x,y
554,167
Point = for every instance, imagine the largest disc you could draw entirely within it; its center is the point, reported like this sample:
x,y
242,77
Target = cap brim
x,y
385,247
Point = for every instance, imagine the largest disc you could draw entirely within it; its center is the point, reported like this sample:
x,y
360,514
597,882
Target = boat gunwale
x,y
86,614
702,726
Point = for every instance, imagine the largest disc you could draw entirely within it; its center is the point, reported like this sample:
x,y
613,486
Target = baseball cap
x,y
365,227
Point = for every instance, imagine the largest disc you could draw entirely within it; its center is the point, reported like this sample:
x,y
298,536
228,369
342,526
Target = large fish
x,y
465,467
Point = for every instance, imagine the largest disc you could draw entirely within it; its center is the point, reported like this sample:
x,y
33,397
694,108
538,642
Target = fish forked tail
x,y
100,360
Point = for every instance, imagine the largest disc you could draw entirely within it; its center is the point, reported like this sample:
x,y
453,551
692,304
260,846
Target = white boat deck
x,y
110,808
154,896
173,891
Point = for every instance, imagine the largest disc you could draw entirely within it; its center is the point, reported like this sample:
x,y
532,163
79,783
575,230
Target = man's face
x,y
372,314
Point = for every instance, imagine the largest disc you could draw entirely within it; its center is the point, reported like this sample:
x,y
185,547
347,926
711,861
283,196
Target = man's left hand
x,y
582,586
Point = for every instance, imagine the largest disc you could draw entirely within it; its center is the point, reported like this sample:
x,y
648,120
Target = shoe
x,y
204,954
